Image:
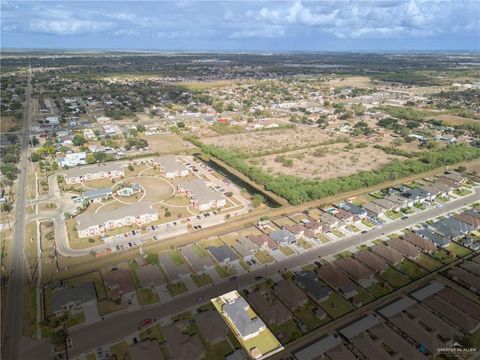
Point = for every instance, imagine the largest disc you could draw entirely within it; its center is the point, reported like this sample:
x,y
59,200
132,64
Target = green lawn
x,y
458,250
412,270
304,244
343,254
147,296
199,251
177,288
176,257
286,250
393,214
225,272
264,257
154,332
407,210
202,280
337,233
120,350
428,262
394,278
353,228
444,256
322,238
420,206
286,332
265,342
441,199
336,305
378,290
306,314
363,297
75,319
462,192
368,223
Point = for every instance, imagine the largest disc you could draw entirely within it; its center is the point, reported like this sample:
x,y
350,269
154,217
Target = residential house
x,y
211,325
422,243
97,195
405,248
66,299
244,247
452,228
452,184
180,345
468,219
150,276
329,221
223,254
95,172
170,167
335,277
283,237
198,263
356,210
263,241
388,253
386,204
357,271
438,239
297,230
418,195
270,307
203,197
372,260
314,226
145,350
374,210
309,281
119,283
73,159
344,216
291,294
453,176
137,214
399,201
246,323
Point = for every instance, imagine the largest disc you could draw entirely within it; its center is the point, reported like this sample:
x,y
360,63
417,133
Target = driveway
x,y
91,313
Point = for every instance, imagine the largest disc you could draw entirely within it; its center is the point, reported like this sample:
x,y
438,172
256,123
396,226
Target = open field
x,y
334,160
353,81
456,120
167,143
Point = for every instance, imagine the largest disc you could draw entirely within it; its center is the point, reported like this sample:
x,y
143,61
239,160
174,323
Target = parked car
x,y
144,323
259,277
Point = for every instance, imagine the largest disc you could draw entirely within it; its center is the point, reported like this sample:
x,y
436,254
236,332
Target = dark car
x,y
233,278
259,277
404,217
364,231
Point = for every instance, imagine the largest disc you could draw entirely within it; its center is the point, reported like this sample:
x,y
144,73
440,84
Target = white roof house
x,y
170,166
73,159
203,197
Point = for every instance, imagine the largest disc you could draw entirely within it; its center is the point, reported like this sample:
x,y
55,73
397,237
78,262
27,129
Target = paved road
x,y
14,302
122,325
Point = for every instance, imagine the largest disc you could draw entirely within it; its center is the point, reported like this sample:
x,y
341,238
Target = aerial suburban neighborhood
x,y
238,205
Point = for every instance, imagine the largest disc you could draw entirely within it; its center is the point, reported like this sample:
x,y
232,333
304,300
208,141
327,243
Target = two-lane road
x,y
119,326
14,302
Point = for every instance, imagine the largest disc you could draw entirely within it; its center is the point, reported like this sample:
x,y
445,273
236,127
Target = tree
x,y
78,140
180,124
152,258
35,157
6,207
258,200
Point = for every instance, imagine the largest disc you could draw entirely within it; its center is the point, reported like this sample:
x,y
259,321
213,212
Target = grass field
x,y
394,278
225,272
444,256
428,262
264,257
202,280
363,297
458,250
286,332
378,290
154,332
336,305
177,288
412,270
306,314
147,296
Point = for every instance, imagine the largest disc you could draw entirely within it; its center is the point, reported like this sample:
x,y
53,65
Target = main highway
x,y
14,300
117,327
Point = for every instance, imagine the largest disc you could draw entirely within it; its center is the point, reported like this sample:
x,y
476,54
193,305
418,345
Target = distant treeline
x,y
298,190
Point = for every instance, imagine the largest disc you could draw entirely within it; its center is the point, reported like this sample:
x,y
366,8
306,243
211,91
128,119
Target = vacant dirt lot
x,y
355,81
262,141
332,161
167,143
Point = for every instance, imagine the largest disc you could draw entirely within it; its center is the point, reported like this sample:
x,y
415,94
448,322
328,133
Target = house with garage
x,y
329,221
436,238
244,247
224,255
72,159
468,219
269,306
405,248
418,195
311,284
71,298
356,210
400,201
335,277
374,210
388,253
452,228
283,237
372,260
290,293
386,204
424,244
362,274
119,284
264,242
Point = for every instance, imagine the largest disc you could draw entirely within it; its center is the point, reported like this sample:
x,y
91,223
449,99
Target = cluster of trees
x,y
9,156
135,142
395,151
298,190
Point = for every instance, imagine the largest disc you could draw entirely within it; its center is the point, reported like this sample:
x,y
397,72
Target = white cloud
x,y
264,32
69,27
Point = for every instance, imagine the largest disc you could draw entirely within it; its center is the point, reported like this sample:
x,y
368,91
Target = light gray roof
x,y
84,221
374,208
360,326
200,192
282,236
427,291
452,227
222,253
169,163
78,294
436,238
236,312
93,169
97,193
396,307
317,348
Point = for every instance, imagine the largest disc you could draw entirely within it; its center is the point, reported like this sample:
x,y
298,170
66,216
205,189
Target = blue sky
x,y
243,25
